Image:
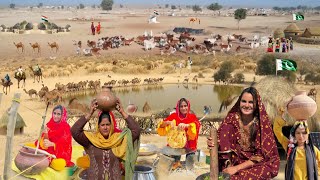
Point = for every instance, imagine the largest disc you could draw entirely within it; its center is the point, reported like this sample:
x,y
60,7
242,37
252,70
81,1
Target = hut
x,y
312,32
20,124
292,31
146,107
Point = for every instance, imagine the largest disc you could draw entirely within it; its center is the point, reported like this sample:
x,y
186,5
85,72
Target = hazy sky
x,y
245,3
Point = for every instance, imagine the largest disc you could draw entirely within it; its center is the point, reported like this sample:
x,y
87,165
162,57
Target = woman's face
x,y
104,127
57,115
247,104
301,135
183,108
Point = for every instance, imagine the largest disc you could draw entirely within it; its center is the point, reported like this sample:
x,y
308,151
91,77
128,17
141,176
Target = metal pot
x,y
142,172
222,176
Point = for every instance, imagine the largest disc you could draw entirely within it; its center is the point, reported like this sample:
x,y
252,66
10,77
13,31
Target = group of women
x,y
246,142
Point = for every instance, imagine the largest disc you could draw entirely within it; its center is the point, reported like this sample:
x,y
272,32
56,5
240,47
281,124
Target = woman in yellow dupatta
x,y
108,146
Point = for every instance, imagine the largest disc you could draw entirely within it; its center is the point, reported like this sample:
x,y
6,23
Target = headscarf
x,y
120,143
60,134
189,118
312,169
264,142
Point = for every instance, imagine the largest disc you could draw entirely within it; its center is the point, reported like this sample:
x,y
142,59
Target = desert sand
x,y
66,67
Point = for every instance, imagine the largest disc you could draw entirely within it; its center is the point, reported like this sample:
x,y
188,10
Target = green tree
x,y
121,6
317,8
81,6
276,8
167,5
266,65
173,7
107,5
196,8
12,6
240,14
238,78
214,7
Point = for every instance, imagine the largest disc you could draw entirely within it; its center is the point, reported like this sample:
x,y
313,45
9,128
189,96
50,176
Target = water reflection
x,y
160,97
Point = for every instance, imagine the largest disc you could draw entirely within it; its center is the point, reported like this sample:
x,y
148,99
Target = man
x,y
20,71
37,68
7,78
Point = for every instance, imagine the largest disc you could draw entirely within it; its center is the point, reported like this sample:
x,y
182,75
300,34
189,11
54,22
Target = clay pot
x,y
301,107
132,108
106,99
27,158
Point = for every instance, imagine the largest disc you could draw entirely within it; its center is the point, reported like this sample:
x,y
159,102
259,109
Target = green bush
x,y
238,78
29,26
222,75
266,65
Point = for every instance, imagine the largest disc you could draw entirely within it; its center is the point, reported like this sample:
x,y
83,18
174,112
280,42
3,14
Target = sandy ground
x,y
121,22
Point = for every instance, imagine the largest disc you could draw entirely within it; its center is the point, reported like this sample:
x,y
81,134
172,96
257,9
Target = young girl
x,y
303,159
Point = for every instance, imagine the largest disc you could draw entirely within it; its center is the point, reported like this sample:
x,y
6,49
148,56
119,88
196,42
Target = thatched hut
x,y
20,124
278,33
312,32
146,107
292,31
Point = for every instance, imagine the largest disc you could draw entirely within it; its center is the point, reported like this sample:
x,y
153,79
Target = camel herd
x,y
36,48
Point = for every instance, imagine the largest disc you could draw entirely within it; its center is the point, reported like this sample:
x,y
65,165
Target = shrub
x,y
238,78
200,75
266,65
42,26
222,75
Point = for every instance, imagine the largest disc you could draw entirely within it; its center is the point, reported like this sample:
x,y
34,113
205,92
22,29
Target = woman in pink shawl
x,y
247,148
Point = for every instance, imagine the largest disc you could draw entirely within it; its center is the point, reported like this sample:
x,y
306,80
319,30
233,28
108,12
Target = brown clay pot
x,y
301,107
132,108
106,99
27,158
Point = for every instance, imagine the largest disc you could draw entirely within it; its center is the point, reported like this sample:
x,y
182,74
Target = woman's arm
x,y
78,133
317,153
277,128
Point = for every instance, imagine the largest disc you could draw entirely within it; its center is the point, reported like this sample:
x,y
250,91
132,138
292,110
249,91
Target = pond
x,y
160,97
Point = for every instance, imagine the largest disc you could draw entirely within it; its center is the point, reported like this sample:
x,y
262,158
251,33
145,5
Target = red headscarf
x,y
264,143
188,119
59,133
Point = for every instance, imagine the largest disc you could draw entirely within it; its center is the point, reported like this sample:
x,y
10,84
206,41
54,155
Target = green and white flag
x,y
297,17
286,64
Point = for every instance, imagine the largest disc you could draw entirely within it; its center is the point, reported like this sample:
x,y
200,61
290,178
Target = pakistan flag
x,y
298,17
286,64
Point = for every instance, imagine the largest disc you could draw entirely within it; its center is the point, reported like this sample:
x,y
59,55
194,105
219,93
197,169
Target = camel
x,y
52,97
18,46
313,93
35,46
31,92
54,45
6,85
20,77
192,20
186,80
36,74
227,102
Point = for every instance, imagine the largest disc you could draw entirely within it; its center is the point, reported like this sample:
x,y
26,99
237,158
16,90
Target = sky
x,y
234,3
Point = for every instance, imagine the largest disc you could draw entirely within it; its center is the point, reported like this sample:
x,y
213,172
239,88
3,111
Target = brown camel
x,y
227,102
31,92
6,85
53,97
36,74
20,77
313,93
35,46
192,20
54,45
18,46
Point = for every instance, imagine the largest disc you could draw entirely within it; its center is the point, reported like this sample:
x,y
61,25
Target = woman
x,y
107,147
185,121
98,29
301,154
93,29
247,148
57,140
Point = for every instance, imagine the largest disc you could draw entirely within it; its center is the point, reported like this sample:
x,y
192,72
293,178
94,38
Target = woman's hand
x,y
231,170
183,126
120,109
210,142
93,108
47,143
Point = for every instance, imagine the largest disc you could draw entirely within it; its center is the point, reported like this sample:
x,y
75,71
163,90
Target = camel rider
x,y
7,78
20,71
37,68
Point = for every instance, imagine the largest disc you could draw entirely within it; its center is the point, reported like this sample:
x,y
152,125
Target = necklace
x,y
244,141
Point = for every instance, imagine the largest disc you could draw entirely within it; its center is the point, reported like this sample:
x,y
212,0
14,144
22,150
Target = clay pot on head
x,y
301,107
27,158
107,101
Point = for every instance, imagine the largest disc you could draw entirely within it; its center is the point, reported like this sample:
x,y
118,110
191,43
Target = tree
x,y
167,5
12,6
196,8
81,6
240,14
214,7
173,7
317,8
40,5
106,5
276,8
121,6
266,65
